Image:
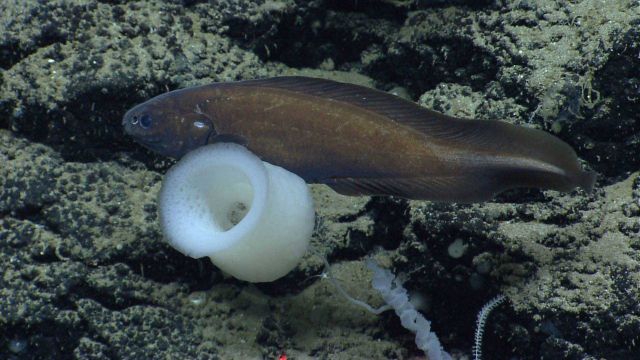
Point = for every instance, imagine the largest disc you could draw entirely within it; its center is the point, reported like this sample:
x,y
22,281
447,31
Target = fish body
x,y
357,140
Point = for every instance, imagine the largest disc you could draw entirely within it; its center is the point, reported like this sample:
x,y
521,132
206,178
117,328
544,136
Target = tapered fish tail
x,y
565,172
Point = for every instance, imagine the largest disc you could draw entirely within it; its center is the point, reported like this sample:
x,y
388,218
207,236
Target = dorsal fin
x,y
397,109
391,106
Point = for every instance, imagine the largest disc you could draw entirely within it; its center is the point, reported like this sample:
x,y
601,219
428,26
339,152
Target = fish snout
x,y
127,121
137,121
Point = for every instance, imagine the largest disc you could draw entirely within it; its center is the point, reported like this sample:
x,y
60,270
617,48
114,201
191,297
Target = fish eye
x,y
145,121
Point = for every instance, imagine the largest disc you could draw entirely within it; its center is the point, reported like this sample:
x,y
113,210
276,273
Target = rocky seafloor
x,y
86,274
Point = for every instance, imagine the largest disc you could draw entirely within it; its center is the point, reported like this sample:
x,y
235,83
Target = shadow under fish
x,y
357,140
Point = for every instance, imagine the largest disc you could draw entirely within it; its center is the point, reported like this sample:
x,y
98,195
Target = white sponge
x,y
253,219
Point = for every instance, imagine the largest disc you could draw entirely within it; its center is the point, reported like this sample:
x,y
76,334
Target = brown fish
x,y
358,140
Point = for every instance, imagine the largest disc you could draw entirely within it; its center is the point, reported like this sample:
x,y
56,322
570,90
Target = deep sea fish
x,y
357,140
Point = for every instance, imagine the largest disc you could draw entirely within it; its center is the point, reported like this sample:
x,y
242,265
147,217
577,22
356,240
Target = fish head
x,y
164,126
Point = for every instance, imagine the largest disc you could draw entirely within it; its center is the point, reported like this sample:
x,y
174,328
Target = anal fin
x,y
462,189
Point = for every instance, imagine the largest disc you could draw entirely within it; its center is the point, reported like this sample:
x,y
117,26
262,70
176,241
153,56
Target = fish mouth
x,y
155,146
151,140
126,125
